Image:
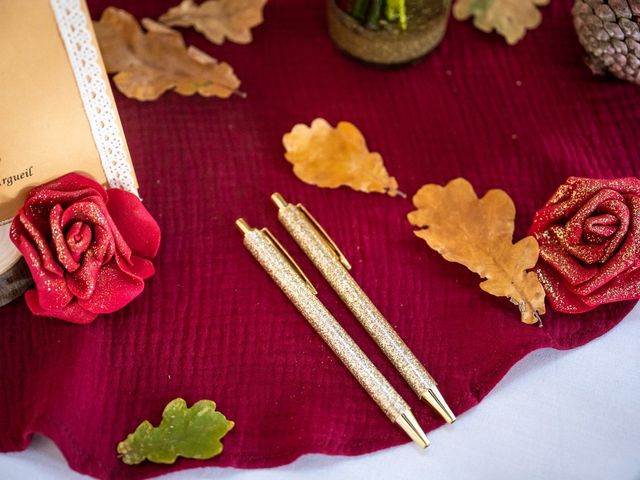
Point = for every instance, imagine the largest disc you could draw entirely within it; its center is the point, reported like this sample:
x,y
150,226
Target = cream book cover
x,y
57,112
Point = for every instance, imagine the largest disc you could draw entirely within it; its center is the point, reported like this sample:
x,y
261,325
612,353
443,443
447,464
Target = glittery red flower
x,y
89,249
589,236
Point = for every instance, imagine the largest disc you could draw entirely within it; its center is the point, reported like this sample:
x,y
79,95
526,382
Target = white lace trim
x,y
74,29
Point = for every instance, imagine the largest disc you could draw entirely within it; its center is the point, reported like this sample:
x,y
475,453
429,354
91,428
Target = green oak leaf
x,y
186,432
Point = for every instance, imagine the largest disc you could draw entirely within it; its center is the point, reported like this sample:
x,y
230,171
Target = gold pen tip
x,y
410,425
279,200
434,398
243,226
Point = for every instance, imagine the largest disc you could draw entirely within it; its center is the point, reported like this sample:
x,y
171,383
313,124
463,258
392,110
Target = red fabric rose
x,y
589,236
88,249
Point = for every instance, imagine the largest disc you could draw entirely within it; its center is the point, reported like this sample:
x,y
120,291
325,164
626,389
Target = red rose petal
x,y
65,257
86,211
138,266
21,228
64,191
78,239
559,295
552,252
103,246
601,227
589,253
571,195
114,289
135,223
625,257
34,207
53,291
72,312
623,287
96,211
72,184
621,211
574,227
82,282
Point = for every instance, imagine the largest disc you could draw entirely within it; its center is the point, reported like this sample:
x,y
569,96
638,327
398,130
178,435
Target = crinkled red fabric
x,y
211,324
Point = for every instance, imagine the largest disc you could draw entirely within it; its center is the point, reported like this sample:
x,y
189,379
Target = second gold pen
x,y
288,276
328,258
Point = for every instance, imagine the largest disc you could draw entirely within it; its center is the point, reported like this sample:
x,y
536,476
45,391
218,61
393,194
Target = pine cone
x,y
609,30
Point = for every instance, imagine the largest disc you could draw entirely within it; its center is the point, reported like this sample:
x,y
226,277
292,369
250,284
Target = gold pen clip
x,y
282,203
291,261
325,236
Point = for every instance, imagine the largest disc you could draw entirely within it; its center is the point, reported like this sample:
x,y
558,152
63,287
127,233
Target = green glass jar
x,y
371,31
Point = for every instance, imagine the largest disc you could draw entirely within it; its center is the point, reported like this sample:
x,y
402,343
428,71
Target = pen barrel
x,y
376,385
356,299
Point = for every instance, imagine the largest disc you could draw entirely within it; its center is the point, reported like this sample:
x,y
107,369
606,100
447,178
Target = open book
x,y
57,113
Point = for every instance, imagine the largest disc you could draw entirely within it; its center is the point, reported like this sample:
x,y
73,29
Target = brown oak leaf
x,y
218,19
478,233
333,157
148,64
510,18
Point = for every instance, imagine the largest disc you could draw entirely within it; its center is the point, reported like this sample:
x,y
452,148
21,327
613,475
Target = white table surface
x,y
556,415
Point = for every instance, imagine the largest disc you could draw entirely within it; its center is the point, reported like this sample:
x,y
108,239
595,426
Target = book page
x,y
44,131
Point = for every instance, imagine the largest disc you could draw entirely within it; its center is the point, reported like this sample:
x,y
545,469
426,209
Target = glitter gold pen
x,y
289,277
333,265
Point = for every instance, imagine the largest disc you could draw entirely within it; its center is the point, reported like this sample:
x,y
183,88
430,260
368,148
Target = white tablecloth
x,y
556,415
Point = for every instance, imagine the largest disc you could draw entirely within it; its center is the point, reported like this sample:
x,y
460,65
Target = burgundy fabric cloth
x,y
211,324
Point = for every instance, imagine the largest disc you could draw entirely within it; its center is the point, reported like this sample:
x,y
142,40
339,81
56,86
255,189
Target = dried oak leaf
x,y
478,234
218,19
148,64
186,432
510,18
333,157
